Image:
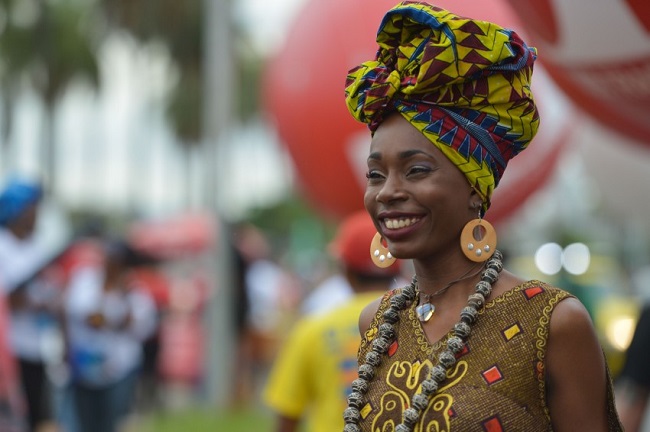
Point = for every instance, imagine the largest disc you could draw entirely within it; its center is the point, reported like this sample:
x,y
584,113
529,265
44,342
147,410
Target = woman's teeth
x,y
399,223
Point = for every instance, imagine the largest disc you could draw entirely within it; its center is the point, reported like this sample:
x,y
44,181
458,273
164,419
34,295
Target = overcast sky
x,y
267,21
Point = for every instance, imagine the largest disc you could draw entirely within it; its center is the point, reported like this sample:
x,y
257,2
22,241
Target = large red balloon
x,y
303,93
598,52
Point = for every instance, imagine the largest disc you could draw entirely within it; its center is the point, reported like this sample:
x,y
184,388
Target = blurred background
x,y
212,137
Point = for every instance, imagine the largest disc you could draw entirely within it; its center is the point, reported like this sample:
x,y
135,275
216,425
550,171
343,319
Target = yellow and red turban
x,y
463,83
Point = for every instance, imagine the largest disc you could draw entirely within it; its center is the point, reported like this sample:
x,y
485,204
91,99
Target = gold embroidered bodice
x,y
497,383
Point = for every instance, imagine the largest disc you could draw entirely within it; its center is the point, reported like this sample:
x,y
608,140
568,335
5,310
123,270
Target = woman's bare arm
x,y
576,374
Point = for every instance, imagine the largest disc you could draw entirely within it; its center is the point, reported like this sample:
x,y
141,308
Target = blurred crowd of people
x,y
75,323
90,327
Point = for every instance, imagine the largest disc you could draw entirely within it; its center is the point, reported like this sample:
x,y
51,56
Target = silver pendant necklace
x,y
426,309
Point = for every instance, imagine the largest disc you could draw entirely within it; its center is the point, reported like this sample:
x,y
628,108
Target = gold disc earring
x,y
478,240
379,253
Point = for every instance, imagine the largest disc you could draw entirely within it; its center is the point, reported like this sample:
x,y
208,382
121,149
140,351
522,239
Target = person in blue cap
x,y
30,298
18,206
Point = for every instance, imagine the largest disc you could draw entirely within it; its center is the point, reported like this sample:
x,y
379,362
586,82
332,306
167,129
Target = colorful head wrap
x,y
463,83
16,197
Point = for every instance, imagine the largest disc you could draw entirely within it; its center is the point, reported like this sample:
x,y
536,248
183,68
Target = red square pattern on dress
x,y
392,349
492,375
493,424
532,292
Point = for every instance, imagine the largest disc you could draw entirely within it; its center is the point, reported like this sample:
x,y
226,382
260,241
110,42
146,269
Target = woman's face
x,y
417,198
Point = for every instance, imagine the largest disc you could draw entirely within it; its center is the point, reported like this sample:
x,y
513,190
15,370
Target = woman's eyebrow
x,y
410,153
402,155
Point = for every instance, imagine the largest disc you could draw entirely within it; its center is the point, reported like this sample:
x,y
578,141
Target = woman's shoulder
x,y
370,311
511,284
536,285
567,313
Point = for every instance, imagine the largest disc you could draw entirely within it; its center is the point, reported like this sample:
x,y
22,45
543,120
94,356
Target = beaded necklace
x,y
446,359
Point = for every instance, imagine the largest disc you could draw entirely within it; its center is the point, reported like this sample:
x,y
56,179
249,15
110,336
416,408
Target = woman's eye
x,y
418,170
372,175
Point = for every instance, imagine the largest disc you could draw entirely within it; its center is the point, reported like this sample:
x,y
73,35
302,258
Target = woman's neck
x,y
435,272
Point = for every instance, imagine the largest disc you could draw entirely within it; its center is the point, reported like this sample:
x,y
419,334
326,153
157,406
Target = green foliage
x,y
53,49
56,42
184,107
296,231
179,26
282,217
249,71
53,44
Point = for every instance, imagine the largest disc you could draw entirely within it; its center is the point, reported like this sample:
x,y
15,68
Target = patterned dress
x,y
498,382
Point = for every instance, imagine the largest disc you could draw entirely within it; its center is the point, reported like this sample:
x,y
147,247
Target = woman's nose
x,y
392,189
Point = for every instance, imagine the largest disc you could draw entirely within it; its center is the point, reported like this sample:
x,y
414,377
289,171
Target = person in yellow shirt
x,y
312,375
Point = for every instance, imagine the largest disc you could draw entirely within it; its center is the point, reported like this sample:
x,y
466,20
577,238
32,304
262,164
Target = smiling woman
x,y
467,345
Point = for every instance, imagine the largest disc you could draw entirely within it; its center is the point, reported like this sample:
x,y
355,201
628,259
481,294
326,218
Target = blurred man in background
x,y
633,383
311,377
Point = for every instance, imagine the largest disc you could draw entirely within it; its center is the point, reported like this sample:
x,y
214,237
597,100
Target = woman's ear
x,y
475,201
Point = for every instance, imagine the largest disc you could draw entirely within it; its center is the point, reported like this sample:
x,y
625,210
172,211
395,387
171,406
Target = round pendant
x,y
425,311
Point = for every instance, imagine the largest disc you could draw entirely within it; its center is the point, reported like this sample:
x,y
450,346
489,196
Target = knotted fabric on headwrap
x,y
463,83
16,197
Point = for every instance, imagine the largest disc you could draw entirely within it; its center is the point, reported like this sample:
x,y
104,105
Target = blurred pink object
x,y
173,237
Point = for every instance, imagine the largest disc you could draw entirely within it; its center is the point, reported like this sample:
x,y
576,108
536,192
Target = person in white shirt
x,y
107,321
32,299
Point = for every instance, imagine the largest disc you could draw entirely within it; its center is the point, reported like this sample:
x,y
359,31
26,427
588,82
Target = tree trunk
x,y
49,157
